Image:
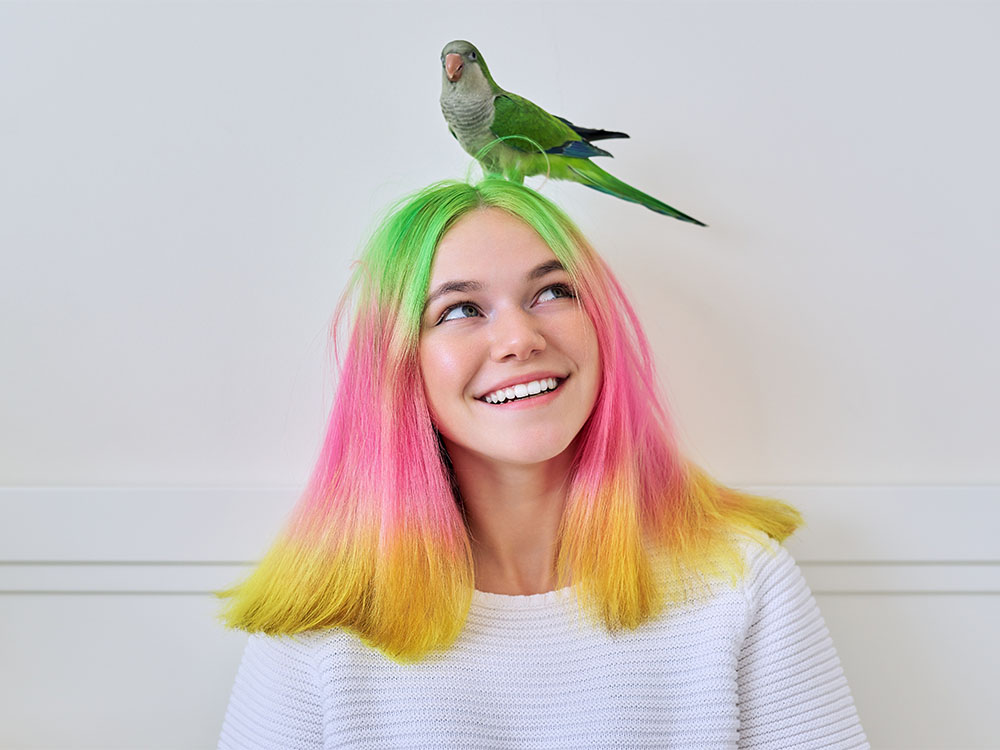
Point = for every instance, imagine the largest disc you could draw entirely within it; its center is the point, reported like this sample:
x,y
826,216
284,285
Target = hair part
x,y
377,543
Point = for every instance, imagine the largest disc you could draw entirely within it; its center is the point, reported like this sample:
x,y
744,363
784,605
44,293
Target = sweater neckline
x,y
519,601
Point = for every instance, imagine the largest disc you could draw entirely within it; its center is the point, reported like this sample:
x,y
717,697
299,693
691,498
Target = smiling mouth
x,y
510,395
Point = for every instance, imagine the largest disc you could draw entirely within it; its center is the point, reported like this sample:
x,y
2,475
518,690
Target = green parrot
x,y
478,112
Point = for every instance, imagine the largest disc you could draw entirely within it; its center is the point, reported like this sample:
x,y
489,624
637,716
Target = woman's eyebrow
x,y
537,272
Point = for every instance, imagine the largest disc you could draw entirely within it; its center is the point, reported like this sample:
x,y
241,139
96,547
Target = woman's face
x,y
500,318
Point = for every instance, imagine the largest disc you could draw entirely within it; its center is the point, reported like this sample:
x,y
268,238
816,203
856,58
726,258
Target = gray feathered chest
x,y
469,118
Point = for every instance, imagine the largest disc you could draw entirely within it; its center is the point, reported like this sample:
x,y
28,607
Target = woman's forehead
x,y
485,238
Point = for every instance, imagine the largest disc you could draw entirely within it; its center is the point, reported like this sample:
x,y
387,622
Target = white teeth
x,y
521,390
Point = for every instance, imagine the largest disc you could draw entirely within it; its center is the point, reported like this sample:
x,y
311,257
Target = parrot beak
x,y
453,67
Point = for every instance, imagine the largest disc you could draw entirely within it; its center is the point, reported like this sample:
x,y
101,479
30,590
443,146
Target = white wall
x,y
183,186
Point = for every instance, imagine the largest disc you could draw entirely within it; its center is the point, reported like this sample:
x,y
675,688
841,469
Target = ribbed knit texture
x,y
752,667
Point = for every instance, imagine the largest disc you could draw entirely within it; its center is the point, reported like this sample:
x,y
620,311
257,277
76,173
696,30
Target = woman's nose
x,y
517,334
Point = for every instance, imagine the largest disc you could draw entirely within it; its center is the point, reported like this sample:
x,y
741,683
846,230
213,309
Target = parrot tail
x,y
589,174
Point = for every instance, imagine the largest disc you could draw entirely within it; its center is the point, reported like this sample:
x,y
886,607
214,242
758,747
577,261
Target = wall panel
x,y
110,626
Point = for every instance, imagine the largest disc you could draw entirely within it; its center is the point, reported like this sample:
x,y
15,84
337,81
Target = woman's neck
x,y
513,512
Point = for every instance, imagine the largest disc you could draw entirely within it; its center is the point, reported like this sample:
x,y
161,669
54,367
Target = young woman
x,y
500,545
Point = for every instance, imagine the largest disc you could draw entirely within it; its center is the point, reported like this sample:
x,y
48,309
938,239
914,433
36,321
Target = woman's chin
x,y
526,453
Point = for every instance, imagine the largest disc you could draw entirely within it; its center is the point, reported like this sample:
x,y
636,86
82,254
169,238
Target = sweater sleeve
x,y
276,703
792,689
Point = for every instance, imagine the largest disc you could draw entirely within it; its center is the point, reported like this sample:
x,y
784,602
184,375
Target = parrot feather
x,y
578,150
592,134
594,177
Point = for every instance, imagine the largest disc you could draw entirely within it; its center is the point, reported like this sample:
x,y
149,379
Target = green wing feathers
x,y
516,116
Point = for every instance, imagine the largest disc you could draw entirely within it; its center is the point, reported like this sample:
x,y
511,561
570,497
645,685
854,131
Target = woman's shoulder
x,y
755,543
296,651
773,585
278,695
767,563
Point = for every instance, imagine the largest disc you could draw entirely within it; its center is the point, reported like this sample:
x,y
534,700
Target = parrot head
x,y
463,67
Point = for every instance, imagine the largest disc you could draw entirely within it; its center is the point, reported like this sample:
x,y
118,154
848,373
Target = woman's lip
x,y
523,403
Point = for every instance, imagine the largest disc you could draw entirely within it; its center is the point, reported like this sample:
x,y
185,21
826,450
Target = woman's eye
x,y
562,289
558,291
462,307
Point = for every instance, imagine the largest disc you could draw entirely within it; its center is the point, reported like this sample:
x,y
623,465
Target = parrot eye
x,y
472,55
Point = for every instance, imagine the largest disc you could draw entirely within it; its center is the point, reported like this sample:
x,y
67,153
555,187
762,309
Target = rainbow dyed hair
x,y
377,544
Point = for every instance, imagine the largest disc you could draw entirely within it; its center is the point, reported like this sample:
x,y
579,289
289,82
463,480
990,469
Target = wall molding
x,y
873,540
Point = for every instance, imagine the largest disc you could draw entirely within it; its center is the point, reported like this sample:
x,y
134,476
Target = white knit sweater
x,y
752,667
